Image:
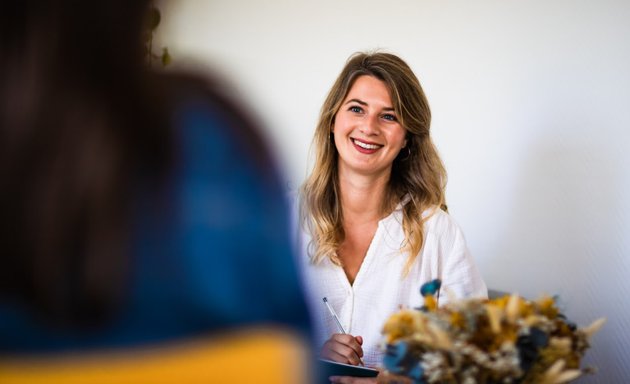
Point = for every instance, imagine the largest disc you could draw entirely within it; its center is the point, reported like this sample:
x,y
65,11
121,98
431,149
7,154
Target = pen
x,y
334,315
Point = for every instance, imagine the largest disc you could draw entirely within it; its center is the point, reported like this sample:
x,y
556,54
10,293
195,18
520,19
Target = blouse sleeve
x,y
460,276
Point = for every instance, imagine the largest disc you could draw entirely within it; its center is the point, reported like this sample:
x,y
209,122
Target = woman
x,y
373,209
125,195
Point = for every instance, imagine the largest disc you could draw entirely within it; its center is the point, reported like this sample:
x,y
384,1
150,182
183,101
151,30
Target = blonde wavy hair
x,y
418,176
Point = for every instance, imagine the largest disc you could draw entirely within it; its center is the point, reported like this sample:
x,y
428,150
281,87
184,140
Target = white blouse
x,y
380,289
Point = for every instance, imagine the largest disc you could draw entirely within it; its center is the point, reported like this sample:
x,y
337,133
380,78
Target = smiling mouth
x,y
366,146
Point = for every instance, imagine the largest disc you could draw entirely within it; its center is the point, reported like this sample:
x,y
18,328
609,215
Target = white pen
x,y
334,315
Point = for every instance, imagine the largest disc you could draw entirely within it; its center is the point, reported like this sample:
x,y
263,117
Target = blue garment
x,y
211,249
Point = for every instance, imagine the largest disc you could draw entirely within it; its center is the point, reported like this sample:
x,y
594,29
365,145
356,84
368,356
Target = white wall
x,y
531,106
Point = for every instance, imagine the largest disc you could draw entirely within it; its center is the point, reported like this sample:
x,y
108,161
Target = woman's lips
x,y
365,147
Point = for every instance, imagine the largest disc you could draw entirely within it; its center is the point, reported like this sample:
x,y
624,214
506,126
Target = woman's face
x,y
368,135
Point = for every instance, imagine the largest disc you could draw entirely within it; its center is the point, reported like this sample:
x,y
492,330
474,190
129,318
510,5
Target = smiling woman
x,y
371,209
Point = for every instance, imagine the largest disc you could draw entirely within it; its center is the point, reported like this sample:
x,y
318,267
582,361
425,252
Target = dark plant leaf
x,y
166,57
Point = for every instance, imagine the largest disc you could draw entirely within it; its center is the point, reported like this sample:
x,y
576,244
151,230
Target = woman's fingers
x,y
340,353
342,348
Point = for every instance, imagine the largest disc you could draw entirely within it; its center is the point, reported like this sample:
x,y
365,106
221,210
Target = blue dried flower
x,y
394,357
529,346
430,288
400,361
416,374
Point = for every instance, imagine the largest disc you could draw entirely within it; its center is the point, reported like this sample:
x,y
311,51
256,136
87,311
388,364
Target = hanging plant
x,y
153,20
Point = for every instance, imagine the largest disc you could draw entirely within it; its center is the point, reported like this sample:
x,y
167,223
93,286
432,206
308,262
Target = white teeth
x,y
366,145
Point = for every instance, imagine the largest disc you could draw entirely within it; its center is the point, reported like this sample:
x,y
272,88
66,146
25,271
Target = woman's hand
x,y
343,348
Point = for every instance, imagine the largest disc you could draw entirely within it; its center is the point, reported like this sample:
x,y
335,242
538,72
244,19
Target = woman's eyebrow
x,y
365,104
356,101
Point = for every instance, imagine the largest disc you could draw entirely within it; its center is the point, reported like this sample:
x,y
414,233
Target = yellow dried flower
x,y
430,303
595,326
557,375
458,320
495,315
546,306
403,324
513,308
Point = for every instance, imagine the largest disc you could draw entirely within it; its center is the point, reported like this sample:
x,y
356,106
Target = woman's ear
x,y
408,139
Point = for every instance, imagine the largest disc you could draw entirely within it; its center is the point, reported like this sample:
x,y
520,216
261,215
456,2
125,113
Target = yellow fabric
x,y
253,356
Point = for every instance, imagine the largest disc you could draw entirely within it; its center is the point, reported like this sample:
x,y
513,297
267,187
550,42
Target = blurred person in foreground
x,y
137,207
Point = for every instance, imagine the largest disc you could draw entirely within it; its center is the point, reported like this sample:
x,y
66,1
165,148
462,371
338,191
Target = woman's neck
x,y
362,197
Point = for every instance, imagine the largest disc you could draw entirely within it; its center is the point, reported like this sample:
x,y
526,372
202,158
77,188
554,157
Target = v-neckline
x,y
367,260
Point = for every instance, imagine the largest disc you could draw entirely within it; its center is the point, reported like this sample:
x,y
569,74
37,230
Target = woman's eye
x,y
356,109
390,117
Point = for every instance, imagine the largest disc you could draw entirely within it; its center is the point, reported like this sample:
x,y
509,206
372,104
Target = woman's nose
x,y
370,126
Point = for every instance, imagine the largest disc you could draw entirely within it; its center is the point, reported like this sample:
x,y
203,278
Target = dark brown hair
x,y
77,121
82,122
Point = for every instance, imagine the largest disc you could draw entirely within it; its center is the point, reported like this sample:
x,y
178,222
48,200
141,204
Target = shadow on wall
x,y
564,238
